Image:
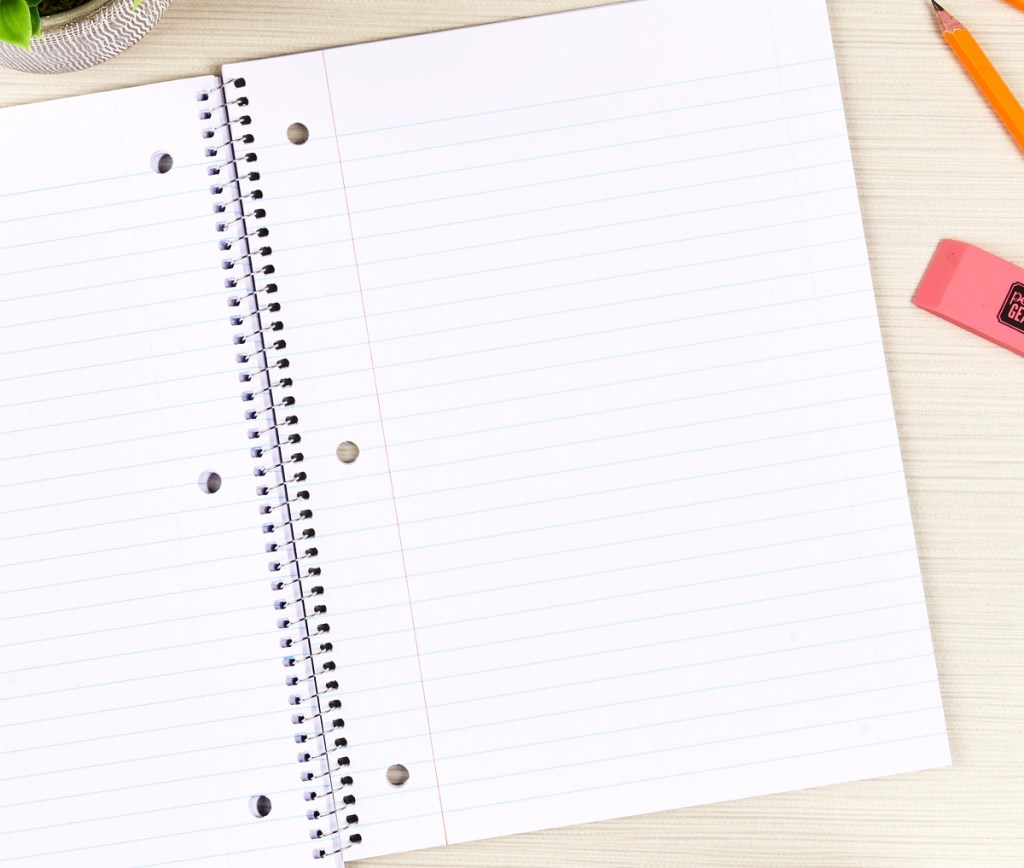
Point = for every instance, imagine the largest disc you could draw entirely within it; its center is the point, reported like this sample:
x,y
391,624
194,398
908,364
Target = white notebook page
x,y
142,700
628,529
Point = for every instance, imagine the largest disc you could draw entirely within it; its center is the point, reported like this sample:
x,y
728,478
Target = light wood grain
x,y
932,162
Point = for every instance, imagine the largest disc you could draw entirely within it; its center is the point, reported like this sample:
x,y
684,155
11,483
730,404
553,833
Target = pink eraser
x,y
977,291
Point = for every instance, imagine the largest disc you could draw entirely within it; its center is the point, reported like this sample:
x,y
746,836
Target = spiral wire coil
x,y
284,508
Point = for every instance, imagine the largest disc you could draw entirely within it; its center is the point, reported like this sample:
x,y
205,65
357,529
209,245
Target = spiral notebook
x,y
445,438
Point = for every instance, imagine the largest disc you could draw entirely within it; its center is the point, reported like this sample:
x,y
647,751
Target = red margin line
x,y
384,439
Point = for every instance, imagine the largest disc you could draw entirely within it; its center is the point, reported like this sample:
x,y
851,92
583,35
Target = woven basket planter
x,y
83,37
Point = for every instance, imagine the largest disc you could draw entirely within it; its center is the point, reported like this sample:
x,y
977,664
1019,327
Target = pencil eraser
x,y
976,291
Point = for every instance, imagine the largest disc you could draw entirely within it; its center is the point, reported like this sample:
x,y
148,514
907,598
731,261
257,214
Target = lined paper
x,y
628,530
142,702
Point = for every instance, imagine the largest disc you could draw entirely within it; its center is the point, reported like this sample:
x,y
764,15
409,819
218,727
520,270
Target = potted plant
x,y
65,35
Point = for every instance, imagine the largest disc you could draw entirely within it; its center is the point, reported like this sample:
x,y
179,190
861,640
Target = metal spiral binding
x,y
285,512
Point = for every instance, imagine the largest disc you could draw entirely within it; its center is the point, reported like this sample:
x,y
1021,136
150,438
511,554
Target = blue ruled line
x,y
478,404
577,99
744,496
731,337
569,631
672,110
463,460
106,338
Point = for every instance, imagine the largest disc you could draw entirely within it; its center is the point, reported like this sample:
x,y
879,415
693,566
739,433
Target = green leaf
x,y
15,22
37,25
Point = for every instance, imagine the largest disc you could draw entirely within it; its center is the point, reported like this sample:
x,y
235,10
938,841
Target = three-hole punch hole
x,y
259,806
298,134
161,162
397,775
210,481
347,452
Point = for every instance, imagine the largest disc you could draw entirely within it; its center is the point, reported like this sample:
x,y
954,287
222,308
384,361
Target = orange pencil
x,y
1018,3
996,91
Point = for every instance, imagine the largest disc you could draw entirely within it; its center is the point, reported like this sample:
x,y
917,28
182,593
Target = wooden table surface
x,y
932,162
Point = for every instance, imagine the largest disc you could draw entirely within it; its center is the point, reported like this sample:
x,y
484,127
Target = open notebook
x,y
549,388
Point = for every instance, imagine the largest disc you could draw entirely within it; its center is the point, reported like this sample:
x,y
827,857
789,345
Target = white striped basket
x,y
83,37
